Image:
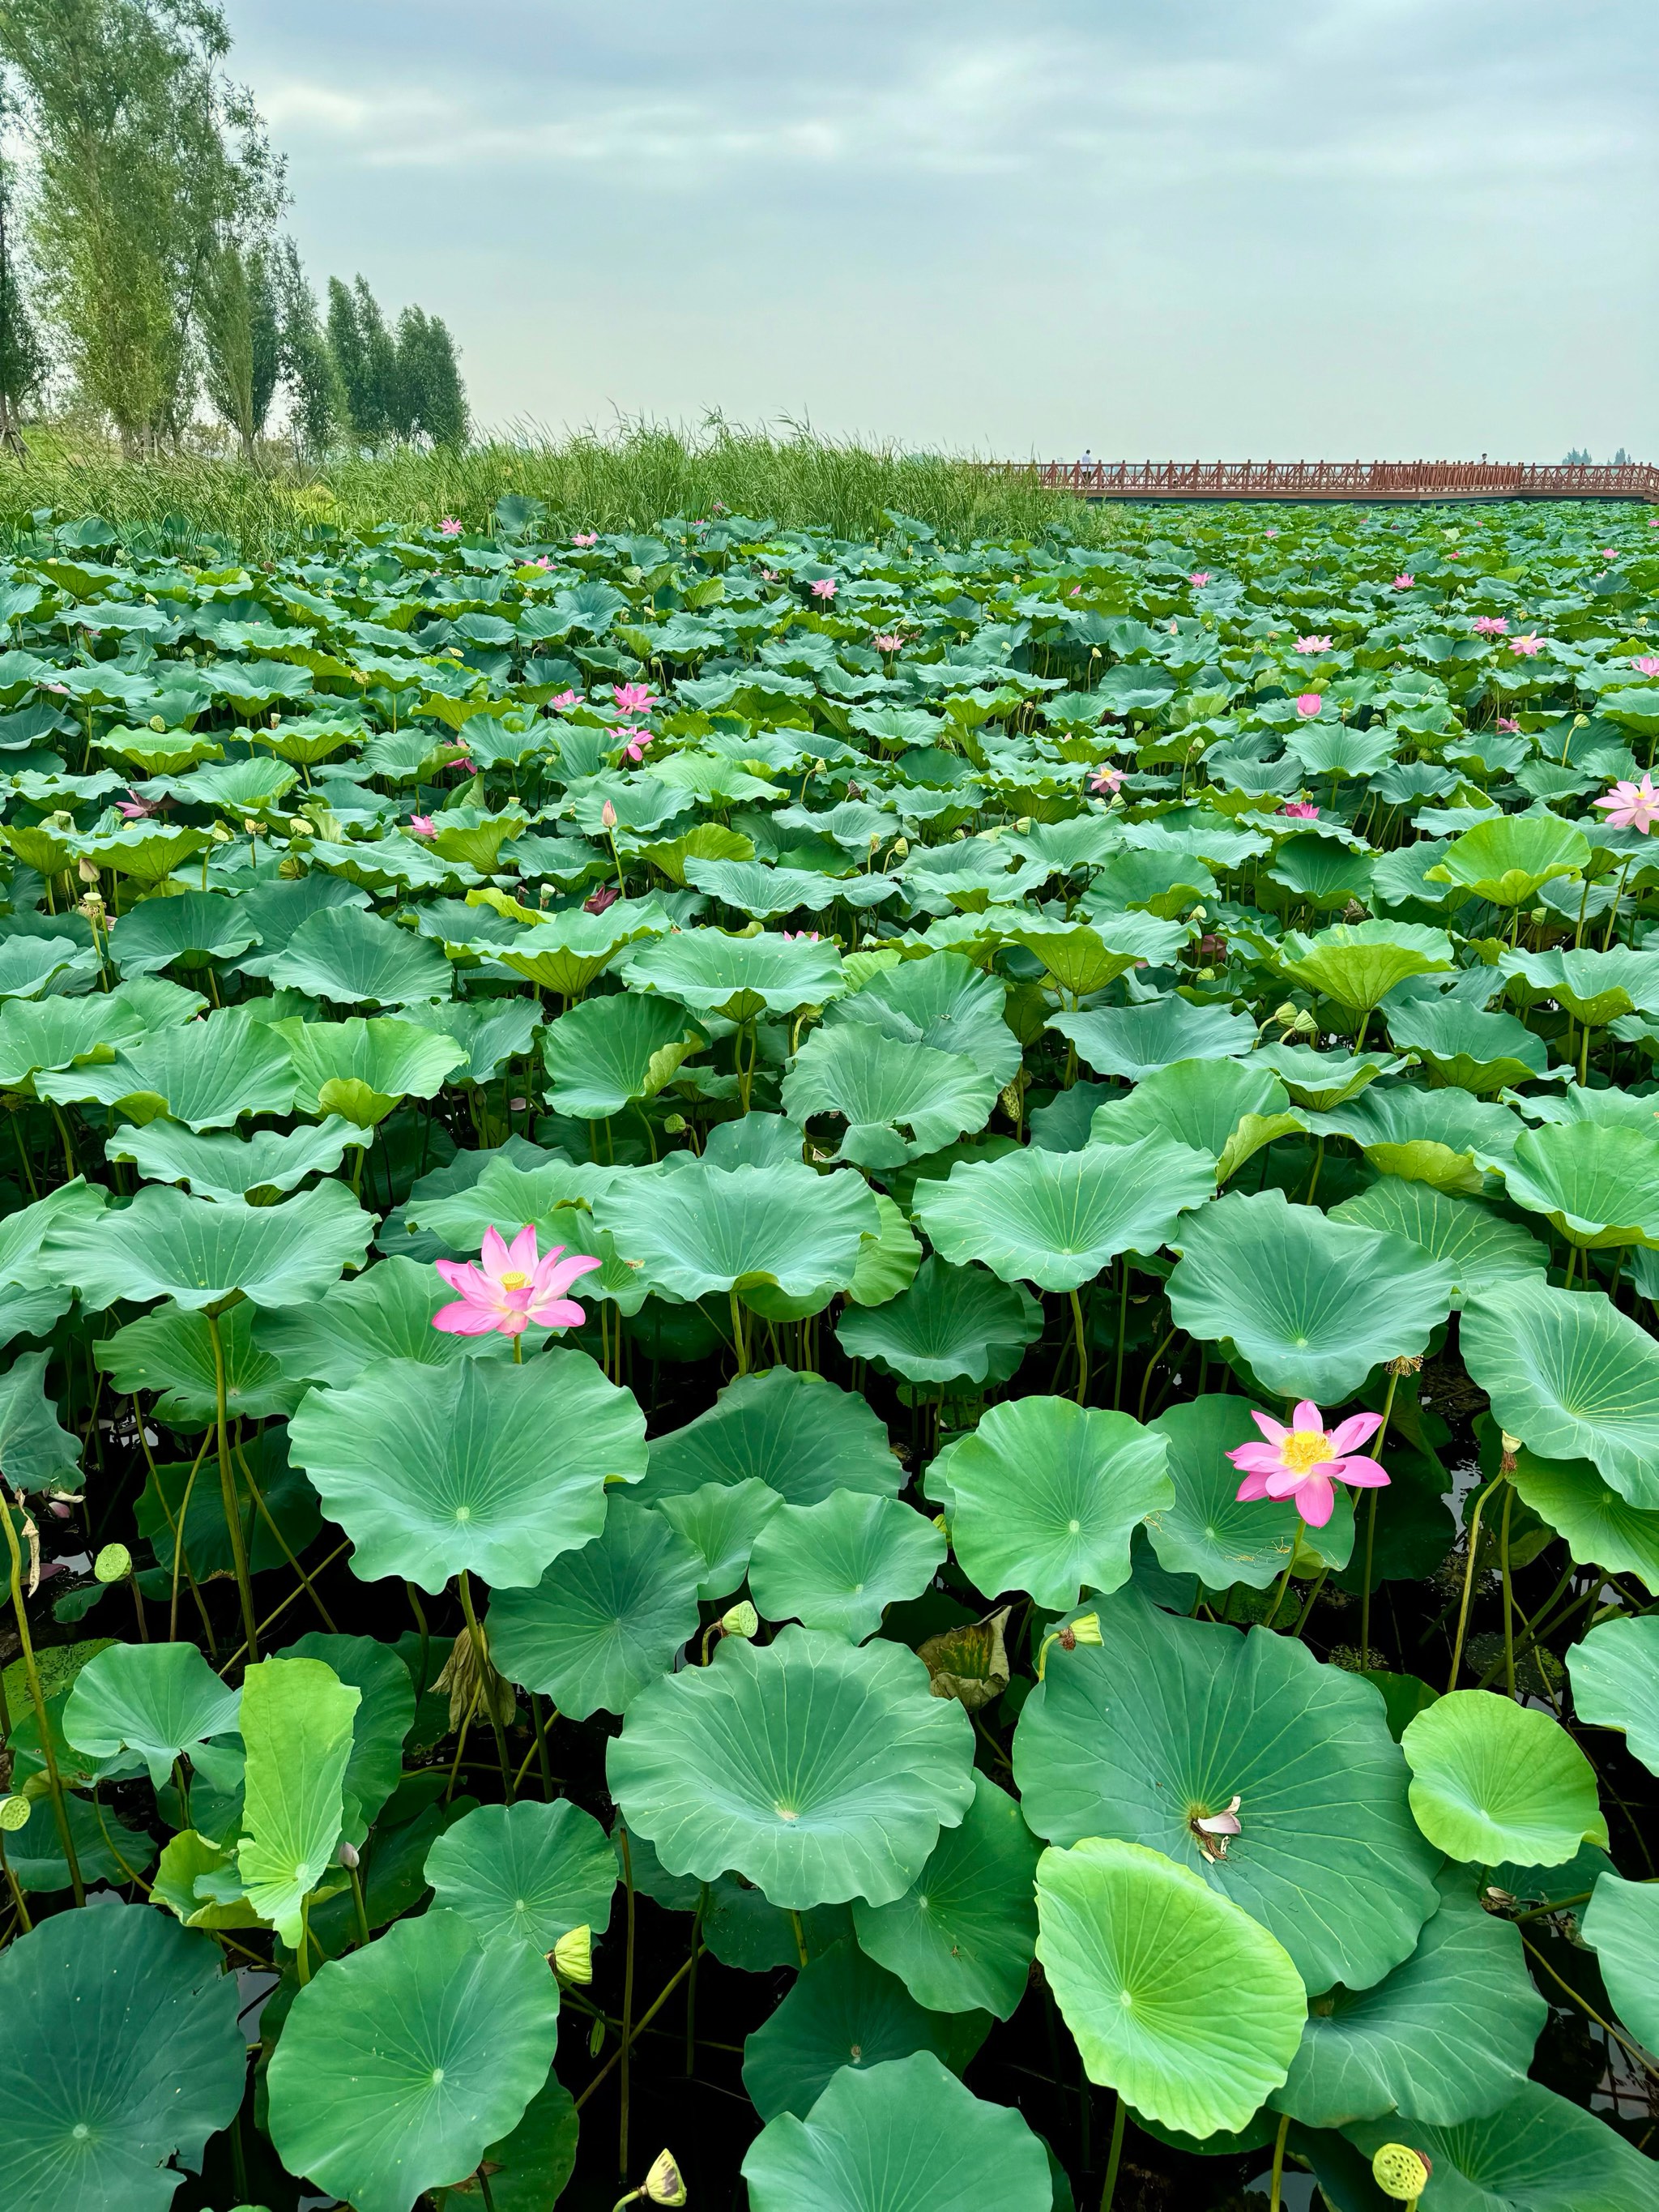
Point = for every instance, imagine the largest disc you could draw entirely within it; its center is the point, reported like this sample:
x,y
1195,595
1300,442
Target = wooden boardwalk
x,y
1379,481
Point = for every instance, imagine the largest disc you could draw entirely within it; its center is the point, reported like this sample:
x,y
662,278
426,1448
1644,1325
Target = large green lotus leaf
x,y
606,1051
193,928
491,1031
1047,1494
1621,1926
568,951
296,1723
206,1074
1321,872
1447,2037
386,1313
1466,1046
27,964
167,1245
1628,1109
905,2136
721,1523
1358,963
34,1449
1492,1780
890,1265
1057,1219
528,1871
697,1229
817,1769
844,2010
1594,988
838,1565
55,1032
1324,1080
1442,1137
435,1470
356,959
1226,1110
953,1325
1538,2153
961,1936
197,1881
107,1851
228,1167
942,1001
1168,1720
1615,1682
170,1350
1595,1182
738,977
546,1196
759,890
1572,1377
899,1101
529,2169
1179,2000
1312,1303
603,1621
32,1296
363,1068
384,1717
1085,956
1484,1251
804,1437
1506,860
119,2050
399,2064
158,1699
1136,1040
1601,1528
1206,1531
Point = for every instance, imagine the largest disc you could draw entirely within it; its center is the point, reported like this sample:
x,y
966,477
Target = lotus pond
x,y
840,1354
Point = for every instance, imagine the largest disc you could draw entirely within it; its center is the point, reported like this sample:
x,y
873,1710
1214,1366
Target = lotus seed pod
x,y
113,1564
14,1814
1085,1629
664,2184
1400,2173
573,1955
739,1620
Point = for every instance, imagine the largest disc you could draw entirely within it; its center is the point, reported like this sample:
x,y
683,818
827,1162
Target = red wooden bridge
x,y
1344,480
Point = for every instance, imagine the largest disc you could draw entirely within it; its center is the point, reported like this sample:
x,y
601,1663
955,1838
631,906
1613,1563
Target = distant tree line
x,y
141,258
1580,458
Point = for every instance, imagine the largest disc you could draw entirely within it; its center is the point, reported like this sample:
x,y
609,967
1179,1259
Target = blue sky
x,y
1271,227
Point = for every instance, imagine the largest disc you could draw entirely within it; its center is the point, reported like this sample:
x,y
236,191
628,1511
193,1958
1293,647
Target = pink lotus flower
x,y
541,562
1198,578
805,936
1309,704
511,1288
1509,725
1302,1461
1313,644
1452,553
424,825
586,538
1270,533
1107,779
134,808
1609,552
888,641
566,699
1301,809
1632,805
608,815
1404,580
450,527
1526,645
634,698
1647,666
1491,625
769,575
637,742
607,894
824,588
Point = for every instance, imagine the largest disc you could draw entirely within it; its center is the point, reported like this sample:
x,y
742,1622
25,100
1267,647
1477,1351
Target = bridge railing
x,y
1343,480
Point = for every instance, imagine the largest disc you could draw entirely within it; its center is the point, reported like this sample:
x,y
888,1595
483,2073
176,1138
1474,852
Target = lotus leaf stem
x,y
32,1676
227,1493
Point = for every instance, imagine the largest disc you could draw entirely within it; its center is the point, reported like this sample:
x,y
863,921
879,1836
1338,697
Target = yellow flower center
x,y
514,1282
1304,1448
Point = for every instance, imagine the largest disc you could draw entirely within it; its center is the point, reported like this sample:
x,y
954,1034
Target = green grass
x,y
629,482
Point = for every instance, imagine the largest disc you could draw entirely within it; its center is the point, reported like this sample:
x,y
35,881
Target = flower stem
x,y
1082,1348
1284,1579
1278,2197
1468,1577
1114,2157
625,2054
1370,1527
228,1492
37,1699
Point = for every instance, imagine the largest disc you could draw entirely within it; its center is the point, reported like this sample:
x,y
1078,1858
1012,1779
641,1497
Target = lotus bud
x,y
348,1856
675,1126
250,825
14,1814
664,2184
1400,2173
112,1564
608,815
572,1956
740,1619
901,848
86,872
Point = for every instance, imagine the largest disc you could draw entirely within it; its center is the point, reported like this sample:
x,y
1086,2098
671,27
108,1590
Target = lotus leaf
x,y
356,959
385,1715
737,976
1505,860
296,1721
1491,1780
899,1102
206,1074
1467,1047
1536,2153
361,1068
698,1229
607,1052
1358,963
158,1699
1573,1378
1622,1927
1615,1682
202,1254
1483,1250
1136,1040
1227,1110
721,1523
525,1871
838,1565
1594,1183
952,1325
942,1002
229,1167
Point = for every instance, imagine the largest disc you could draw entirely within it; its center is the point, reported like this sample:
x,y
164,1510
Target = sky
x,y
1175,229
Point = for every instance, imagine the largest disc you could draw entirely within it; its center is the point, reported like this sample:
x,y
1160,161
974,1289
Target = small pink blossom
x,y
1508,725
1198,578
1302,810
1491,625
1107,779
1452,553
1309,704
511,1288
1609,552
1526,645
1632,805
1302,1461
1076,591
1313,644
424,825
1647,666
586,538
1404,580
805,936
606,895
1270,533
450,527
608,815
824,588
637,742
541,562
769,575
64,687
564,699
888,641
634,698
134,808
